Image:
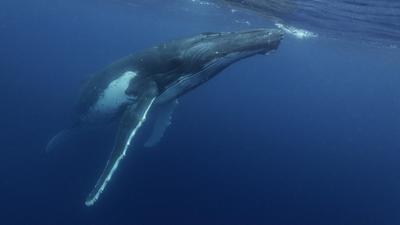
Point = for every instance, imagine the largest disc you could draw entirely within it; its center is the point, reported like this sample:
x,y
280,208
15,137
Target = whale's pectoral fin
x,y
131,121
162,122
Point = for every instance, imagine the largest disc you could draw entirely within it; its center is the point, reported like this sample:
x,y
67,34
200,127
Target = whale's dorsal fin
x,y
132,119
162,122
59,139
63,137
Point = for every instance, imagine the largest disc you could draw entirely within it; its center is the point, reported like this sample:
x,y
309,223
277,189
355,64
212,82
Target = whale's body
x,y
129,88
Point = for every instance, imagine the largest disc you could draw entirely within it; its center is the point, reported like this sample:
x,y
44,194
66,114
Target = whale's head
x,y
224,48
213,46
180,65
205,55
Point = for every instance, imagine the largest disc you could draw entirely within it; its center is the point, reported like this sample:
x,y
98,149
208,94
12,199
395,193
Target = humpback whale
x,y
129,88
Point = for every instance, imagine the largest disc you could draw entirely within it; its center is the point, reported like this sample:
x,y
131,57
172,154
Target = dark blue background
x,y
306,136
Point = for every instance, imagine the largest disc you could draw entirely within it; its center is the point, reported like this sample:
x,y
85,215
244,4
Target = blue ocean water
x,y
308,135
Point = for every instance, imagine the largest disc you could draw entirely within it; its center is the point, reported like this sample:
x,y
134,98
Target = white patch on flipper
x,y
91,201
114,95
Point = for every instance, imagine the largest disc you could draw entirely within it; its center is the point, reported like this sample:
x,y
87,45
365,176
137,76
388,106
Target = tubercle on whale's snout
x,y
278,36
273,44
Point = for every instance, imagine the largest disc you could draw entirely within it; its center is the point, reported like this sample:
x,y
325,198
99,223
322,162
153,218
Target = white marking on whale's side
x,y
114,95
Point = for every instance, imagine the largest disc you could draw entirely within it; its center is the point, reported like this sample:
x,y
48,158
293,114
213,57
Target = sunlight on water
x,y
375,22
298,33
